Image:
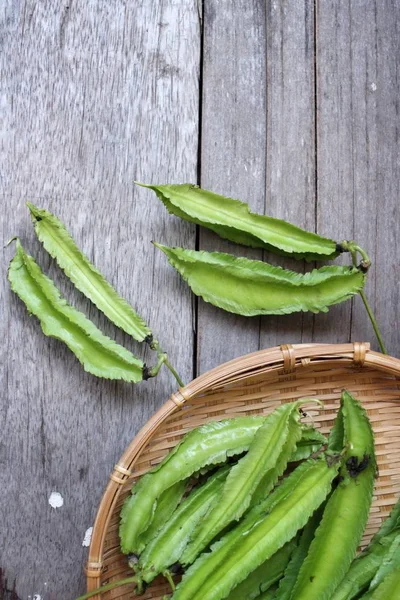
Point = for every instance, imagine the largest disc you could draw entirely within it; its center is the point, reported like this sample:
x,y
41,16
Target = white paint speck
x,y
37,597
56,501
373,87
88,537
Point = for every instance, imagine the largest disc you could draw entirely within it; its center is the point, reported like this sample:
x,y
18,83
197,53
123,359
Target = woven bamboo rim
x,y
256,384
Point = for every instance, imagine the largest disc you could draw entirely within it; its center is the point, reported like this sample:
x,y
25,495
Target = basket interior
x,y
379,392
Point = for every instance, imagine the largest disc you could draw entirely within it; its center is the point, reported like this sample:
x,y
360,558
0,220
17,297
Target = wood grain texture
x,y
233,147
290,181
95,95
358,154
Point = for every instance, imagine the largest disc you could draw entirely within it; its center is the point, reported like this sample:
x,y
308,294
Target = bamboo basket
x,y
256,384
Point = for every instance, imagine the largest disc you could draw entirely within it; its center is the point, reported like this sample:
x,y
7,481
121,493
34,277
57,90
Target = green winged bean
x,y
213,579
364,568
252,287
390,563
166,548
232,220
98,354
311,441
84,275
389,524
165,507
273,445
346,512
206,445
388,589
220,550
262,578
298,556
269,594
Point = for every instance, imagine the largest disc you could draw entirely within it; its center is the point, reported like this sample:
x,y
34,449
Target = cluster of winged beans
x,y
251,287
224,510
98,354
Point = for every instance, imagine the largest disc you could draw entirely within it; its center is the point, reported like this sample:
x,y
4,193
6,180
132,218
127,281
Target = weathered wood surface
x,y
291,108
96,94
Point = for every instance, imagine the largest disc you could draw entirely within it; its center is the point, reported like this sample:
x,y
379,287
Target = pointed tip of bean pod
x,y
145,185
37,214
15,239
160,246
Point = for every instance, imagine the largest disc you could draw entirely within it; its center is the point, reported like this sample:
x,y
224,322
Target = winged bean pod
x,y
252,287
232,220
298,556
388,589
311,441
346,512
262,578
206,445
390,563
213,580
166,548
98,354
84,275
165,507
364,568
389,524
268,595
273,443
205,564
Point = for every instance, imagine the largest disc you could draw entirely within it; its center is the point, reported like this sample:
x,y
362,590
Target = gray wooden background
x,y
292,106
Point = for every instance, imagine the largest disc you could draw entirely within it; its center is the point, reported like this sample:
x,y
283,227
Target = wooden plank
x,y
96,95
232,150
258,102
290,182
358,150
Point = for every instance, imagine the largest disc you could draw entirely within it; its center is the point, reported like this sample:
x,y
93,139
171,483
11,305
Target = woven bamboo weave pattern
x,y
256,384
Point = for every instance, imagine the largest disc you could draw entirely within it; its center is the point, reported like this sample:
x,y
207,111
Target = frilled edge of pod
x,y
268,455
233,220
55,238
166,506
265,576
269,534
364,568
230,437
347,509
390,562
98,354
222,548
251,287
166,548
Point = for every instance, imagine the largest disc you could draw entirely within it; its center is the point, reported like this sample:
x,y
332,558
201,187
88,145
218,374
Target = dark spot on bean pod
x,y
354,467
